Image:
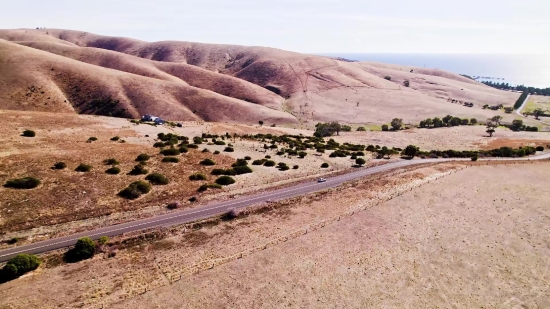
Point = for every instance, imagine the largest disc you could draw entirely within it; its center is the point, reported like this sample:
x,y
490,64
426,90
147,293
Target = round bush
x,y
258,162
193,146
110,161
113,170
474,158
183,149
197,176
284,168
22,183
170,152
193,199
239,170
173,205
216,152
115,138
202,188
269,163
267,157
540,148
21,264
157,179
143,157
217,172
205,150
135,190
82,168
170,160
229,149
84,249
295,167
92,139
324,165
59,165
207,162
138,170
225,181
247,158
158,145
29,133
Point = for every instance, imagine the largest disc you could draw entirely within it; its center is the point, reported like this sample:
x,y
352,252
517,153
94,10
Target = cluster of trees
x,y
521,99
18,266
447,121
529,90
517,125
329,128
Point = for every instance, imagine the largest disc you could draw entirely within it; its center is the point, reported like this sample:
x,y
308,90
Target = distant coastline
x,y
530,70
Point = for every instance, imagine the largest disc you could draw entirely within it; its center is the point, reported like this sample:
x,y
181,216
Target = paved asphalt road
x,y
178,217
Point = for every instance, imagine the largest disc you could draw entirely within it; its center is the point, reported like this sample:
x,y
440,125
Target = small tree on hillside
x,y
496,120
517,124
447,119
491,126
428,122
385,127
261,123
473,121
538,112
437,122
396,124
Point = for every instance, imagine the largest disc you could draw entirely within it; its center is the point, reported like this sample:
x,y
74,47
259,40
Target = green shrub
x,y
113,170
225,180
239,170
157,179
135,190
138,170
197,140
197,176
193,146
92,139
284,168
387,77
258,162
207,162
385,127
205,150
221,143
170,160
229,149
295,167
143,157
59,165
183,149
103,240
84,249
361,129
269,163
29,133
474,158
210,186
20,265
240,162
218,171
82,168
110,161
115,138
247,158
170,152
267,157
158,145
216,152
324,165
202,188
22,183
540,148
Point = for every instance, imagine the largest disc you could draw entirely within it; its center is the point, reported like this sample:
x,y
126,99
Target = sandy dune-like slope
x,y
307,88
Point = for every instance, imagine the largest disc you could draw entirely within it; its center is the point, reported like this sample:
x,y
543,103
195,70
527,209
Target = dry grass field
x,y
482,244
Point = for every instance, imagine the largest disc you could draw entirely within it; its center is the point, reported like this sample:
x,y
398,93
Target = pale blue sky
x,y
314,26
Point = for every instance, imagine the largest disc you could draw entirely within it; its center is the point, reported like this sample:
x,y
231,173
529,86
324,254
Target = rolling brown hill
x,y
194,81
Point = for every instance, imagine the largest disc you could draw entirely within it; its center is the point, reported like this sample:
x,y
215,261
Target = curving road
x,y
178,217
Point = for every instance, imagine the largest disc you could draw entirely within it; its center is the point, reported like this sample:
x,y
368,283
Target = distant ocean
x,y
528,70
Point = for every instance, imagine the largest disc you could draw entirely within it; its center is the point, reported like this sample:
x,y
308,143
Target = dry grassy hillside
x,y
36,80
308,88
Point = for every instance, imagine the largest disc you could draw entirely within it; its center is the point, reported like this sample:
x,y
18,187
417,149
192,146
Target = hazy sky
x,y
315,26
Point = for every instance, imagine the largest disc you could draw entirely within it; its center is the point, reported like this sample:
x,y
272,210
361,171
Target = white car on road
x,y
321,180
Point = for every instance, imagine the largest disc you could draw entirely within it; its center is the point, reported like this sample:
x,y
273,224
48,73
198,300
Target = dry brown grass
x,y
179,79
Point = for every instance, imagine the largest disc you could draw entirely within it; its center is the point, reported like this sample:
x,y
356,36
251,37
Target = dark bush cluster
x,y
18,266
170,152
197,176
143,157
157,179
135,190
113,170
170,160
138,169
82,168
225,180
447,121
207,162
209,186
28,133
60,165
111,161
84,249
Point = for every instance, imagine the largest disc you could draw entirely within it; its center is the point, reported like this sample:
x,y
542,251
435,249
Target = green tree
x,y
447,119
473,121
411,151
21,264
491,126
428,122
538,112
517,124
455,121
465,122
396,124
437,122
84,249
385,127
360,161
261,123
496,120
